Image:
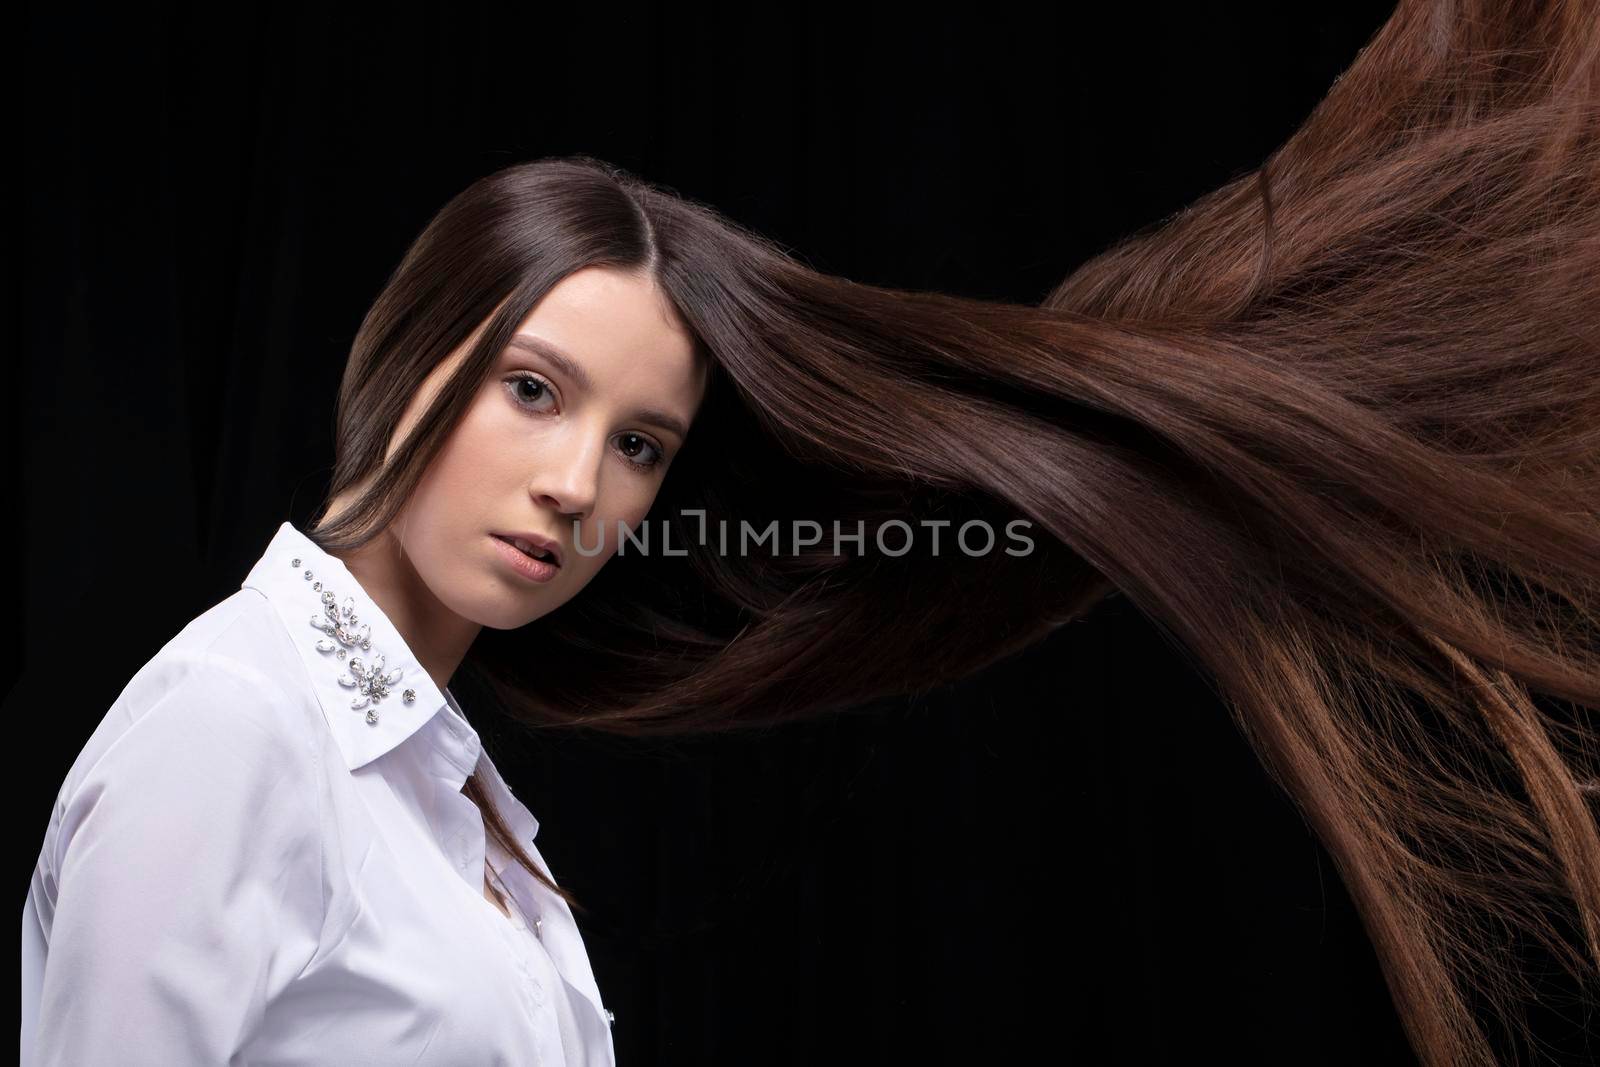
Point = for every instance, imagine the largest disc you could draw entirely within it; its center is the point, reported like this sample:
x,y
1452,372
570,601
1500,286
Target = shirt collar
x,y
369,714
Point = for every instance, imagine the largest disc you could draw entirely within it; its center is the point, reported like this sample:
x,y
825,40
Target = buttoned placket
x,y
519,923
533,989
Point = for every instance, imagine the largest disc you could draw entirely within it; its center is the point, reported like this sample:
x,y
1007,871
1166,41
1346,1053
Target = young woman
x,y
1334,427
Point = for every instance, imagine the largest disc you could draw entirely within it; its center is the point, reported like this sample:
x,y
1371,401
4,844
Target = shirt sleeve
x,y
189,877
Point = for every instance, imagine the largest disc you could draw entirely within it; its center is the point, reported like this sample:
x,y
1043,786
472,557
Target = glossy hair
x,y
1334,428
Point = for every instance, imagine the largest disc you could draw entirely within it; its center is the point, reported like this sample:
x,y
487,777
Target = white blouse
x,y
263,855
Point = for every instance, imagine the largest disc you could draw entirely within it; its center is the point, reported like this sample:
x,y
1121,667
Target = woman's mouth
x,y
529,562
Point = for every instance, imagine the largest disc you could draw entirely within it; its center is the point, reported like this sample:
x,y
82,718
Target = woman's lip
x,y
535,570
538,541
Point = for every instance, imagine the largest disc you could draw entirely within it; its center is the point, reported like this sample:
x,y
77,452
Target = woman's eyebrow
x,y
570,367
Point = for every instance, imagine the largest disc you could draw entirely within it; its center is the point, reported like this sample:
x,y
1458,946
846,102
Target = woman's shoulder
x,y
228,679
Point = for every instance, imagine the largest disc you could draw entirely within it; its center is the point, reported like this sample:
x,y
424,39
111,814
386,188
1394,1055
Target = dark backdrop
x,y
1072,856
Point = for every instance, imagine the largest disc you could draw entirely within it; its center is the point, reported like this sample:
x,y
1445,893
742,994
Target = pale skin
x,y
550,455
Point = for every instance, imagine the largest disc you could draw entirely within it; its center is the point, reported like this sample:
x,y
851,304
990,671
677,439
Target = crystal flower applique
x,y
370,681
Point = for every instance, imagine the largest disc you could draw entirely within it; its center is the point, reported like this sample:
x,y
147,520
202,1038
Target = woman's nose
x,y
567,473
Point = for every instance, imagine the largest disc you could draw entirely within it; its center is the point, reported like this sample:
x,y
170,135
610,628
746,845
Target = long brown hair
x,y
1333,428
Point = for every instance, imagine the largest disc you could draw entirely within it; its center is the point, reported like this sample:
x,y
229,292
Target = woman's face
x,y
557,449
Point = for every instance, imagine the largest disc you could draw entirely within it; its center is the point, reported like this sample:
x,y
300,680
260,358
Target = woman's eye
x,y
633,444
528,390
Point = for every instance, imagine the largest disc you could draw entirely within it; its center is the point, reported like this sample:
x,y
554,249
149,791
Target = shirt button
x,y
610,1018
538,928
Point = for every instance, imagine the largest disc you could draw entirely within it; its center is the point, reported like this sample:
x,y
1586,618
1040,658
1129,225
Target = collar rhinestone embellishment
x,y
370,681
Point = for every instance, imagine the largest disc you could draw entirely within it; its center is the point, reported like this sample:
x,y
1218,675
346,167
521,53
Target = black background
x,y
1073,857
